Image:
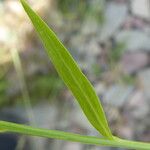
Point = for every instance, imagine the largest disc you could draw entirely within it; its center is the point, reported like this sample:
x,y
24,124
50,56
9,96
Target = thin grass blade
x,y
71,74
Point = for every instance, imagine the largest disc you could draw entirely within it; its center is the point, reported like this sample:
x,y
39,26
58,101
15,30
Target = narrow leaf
x,y
71,74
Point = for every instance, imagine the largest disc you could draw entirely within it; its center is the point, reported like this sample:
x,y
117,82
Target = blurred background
x,y
110,40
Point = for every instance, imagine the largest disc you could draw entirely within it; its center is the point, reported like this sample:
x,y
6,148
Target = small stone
x,y
125,131
100,88
141,8
117,95
133,62
135,40
72,146
135,99
137,105
115,15
112,113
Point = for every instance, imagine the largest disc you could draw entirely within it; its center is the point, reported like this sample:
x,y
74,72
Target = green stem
x,y
23,129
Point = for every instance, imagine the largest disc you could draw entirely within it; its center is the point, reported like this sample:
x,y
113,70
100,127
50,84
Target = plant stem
x,y
27,130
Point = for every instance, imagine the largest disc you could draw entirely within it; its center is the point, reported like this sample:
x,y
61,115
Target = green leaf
x,y
71,74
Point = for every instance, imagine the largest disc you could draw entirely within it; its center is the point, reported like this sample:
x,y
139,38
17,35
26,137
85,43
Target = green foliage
x,y
116,53
71,74
45,86
81,89
74,7
82,9
3,85
128,79
96,69
3,89
95,10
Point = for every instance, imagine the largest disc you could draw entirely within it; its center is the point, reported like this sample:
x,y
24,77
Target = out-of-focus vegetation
x,y
82,9
45,86
3,89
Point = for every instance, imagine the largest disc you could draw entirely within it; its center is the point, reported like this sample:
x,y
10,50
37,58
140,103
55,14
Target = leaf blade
x,y
71,74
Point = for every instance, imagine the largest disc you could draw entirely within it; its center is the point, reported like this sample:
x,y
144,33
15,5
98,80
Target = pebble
x,y
125,131
135,40
116,95
72,146
138,106
115,15
141,8
134,62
